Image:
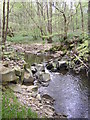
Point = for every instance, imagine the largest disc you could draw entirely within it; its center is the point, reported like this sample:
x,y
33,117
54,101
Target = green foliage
x,y
83,50
23,38
31,114
11,108
55,48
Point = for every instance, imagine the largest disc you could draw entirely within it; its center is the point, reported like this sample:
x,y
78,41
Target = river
x,y
69,90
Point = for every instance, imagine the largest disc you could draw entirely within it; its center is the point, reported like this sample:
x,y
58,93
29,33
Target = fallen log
x,y
80,60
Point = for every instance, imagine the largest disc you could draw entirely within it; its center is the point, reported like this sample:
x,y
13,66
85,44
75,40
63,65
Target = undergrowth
x,y
11,108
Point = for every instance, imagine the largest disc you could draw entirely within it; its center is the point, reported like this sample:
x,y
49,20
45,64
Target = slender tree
x,y
3,27
7,20
76,18
50,22
82,18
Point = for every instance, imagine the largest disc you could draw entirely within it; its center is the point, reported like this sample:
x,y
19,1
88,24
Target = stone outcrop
x,y
7,74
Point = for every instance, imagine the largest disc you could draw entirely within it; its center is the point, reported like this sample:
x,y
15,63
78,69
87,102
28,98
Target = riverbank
x,y
75,51
14,63
12,108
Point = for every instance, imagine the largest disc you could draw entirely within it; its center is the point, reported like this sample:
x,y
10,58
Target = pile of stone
x,y
15,74
41,77
57,65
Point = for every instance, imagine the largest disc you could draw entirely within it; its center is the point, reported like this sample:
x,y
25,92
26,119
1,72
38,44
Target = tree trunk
x,y
82,19
42,8
38,9
7,20
72,22
47,17
65,22
89,18
40,20
49,24
65,30
3,29
76,18
65,27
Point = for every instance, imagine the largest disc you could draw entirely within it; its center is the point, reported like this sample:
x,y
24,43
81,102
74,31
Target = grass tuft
x,y
11,108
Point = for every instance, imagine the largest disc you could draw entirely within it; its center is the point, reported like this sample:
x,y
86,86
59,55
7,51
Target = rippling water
x,y
69,91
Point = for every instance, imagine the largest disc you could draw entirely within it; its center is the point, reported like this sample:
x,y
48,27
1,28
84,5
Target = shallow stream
x,y
70,91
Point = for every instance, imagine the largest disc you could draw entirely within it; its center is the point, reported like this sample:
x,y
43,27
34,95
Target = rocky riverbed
x,y
29,96
25,79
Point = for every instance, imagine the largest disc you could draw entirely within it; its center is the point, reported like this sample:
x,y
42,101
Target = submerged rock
x,y
44,77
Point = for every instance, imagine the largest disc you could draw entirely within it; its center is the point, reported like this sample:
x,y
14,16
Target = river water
x,y
70,91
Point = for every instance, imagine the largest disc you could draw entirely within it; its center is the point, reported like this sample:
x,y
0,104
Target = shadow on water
x,y
70,91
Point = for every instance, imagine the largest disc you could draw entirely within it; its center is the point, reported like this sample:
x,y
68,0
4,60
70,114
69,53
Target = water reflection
x,y
31,58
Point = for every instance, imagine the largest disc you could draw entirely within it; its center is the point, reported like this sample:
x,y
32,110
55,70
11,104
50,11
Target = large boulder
x,y
28,78
61,65
7,74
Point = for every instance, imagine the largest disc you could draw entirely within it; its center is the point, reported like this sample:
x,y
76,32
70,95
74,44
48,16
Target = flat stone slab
x,y
15,88
7,74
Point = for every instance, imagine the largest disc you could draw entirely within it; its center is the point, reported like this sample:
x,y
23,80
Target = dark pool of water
x,y
32,58
69,91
